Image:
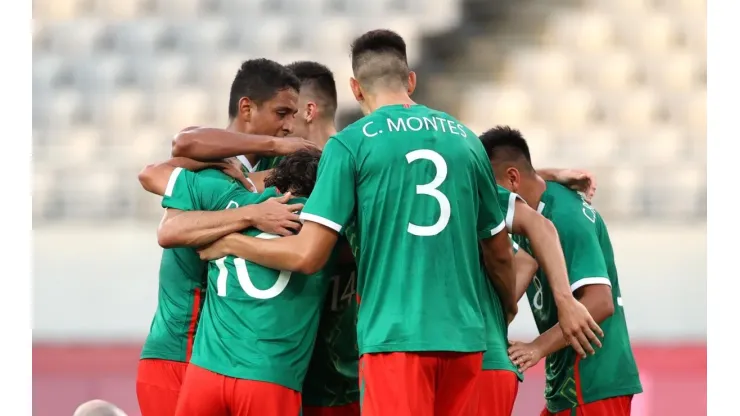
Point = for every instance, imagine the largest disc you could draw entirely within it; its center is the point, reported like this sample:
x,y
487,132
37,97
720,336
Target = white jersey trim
x,y
498,228
171,182
590,281
510,210
247,164
320,220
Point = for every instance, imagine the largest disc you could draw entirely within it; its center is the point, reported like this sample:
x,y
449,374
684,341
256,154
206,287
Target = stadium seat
x,y
590,145
622,185
654,32
123,109
526,68
672,72
115,10
55,9
614,70
181,108
660,145
487,105
637,108
75,37
586,30
62,108
568,110
72,147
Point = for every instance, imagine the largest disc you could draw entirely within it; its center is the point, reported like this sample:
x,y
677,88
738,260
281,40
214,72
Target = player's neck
x,y
385,98
242,128
320,132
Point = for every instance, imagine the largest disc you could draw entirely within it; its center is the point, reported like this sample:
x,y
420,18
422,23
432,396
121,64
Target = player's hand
x,y
578,180
215,250
289,145
232,170
579,328
524,355
276,216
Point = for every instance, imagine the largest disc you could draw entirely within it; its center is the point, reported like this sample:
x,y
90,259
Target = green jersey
x,y
421,189
496,356
182,281
333,376
589,257
257,323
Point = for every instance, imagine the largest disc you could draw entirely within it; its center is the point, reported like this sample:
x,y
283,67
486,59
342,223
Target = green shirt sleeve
x,y
190,191
507,201
490,218
332,201
583,255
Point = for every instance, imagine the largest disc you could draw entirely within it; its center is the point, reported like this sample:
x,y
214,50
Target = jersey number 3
x,y
242,274
430,189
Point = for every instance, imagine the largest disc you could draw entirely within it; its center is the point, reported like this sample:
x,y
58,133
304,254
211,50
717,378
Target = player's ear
x,y
245,109
356,90
311,112
412,82
512,176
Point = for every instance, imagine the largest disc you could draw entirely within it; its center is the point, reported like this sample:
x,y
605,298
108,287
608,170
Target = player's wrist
x,y
563,296
245,216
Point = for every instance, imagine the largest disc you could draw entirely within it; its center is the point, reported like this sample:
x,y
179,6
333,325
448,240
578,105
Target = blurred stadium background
x,y
615,86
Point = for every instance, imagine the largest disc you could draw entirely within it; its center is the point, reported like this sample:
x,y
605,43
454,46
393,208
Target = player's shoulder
x,y
567,208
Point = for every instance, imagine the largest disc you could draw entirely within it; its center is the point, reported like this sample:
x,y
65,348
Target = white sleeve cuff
x,y
590,281
321,220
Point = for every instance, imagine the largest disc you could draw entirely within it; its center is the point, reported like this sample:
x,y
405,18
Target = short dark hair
x,y
380,55
504,144
296,172
260,80
319,80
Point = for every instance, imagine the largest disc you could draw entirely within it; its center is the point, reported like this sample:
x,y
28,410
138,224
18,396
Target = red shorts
x,y
158,386
495,394
352,409
413,384
205,393
613,406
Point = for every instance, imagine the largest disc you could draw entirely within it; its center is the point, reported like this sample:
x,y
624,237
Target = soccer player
x,y
420,187
604,383
263,101
258,326
331,386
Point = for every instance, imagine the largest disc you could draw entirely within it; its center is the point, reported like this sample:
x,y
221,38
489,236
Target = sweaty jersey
x,y
257,323
589,257
421,189
496,356
182,282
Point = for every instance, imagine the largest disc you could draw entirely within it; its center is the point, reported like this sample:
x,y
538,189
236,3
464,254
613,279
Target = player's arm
x,y
329,208
596,298
198,228
154,178
204,143
496,249
525,267
304,253
576,179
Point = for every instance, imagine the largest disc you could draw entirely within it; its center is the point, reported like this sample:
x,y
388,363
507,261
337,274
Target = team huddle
x,y
374,270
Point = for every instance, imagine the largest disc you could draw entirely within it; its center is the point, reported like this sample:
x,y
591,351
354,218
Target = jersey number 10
x,y
245,281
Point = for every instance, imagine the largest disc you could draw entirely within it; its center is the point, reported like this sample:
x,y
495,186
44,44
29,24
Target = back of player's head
x,y
296,173
506,147
379,58
260,80
317,81
98,408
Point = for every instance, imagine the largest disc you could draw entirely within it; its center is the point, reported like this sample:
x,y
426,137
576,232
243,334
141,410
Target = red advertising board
x,y
674,379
